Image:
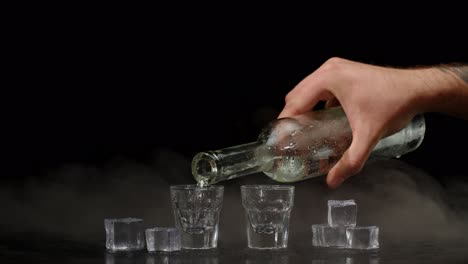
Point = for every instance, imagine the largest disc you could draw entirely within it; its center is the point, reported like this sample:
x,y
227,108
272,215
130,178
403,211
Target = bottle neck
x,y
214,166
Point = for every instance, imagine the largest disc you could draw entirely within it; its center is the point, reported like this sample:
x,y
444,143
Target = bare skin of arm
x,y
378,101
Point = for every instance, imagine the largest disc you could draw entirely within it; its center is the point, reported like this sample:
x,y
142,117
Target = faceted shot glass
x,y
267,211
196,213
362,237
164,239
124,234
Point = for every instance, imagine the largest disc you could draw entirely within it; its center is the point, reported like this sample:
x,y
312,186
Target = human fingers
x,y
305,96
353,158
332,103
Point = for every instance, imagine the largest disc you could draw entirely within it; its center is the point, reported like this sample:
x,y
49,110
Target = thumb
x,y
352,160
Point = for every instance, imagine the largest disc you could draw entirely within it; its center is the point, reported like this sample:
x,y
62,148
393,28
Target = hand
x,y
378,101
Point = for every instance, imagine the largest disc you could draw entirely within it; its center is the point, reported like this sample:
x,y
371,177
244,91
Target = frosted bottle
x,y
299,147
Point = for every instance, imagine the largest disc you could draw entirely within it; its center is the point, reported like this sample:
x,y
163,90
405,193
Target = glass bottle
x,y
300,147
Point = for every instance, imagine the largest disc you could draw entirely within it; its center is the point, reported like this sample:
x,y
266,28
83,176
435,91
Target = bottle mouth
x,y
204,168
420,129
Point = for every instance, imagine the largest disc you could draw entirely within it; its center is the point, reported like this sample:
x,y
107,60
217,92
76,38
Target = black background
x,y
103,111
90,90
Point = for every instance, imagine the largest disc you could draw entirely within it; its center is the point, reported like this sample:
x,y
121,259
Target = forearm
x,y
444,89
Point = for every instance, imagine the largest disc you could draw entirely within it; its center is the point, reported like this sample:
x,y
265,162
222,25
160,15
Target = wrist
x,y
435,90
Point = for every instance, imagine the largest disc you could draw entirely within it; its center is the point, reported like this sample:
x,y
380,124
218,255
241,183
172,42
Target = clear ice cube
x,y
342,212
125,234
324,235
362,237
162,239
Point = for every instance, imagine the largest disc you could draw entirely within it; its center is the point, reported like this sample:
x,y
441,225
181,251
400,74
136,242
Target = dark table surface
x,y
59,251
421,219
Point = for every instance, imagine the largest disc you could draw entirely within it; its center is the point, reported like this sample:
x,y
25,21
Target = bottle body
x,y
300,147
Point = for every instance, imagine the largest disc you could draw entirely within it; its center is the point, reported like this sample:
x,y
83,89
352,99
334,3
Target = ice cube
x,y
324,235
362,237
342,212
124,234
162,239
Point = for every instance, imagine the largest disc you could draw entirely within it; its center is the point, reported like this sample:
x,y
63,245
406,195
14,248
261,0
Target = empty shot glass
x,y
124,234
196,213
267,211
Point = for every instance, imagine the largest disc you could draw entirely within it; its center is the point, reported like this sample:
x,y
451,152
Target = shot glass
x,y
267,211
196,213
